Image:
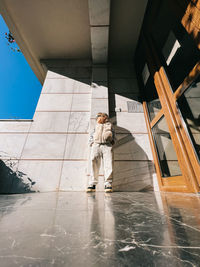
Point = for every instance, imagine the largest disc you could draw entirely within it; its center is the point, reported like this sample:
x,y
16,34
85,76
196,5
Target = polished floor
x,y
79,229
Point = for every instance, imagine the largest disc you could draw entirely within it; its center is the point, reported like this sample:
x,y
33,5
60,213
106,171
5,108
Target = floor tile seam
x,y
198,230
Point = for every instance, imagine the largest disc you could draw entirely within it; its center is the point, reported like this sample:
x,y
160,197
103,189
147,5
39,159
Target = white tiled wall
x,y
51,152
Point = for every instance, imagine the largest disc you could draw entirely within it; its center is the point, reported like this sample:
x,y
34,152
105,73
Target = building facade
x,y
139,62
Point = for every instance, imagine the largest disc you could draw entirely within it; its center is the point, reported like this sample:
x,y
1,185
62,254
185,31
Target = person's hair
x,y
101,114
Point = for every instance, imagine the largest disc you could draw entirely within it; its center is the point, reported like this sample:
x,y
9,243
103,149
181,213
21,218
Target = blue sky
x,y
19,87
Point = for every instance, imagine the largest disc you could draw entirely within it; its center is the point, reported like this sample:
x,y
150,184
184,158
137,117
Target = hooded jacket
x,y
103,134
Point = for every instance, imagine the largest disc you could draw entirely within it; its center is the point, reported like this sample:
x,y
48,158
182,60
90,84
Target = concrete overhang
x,y
74,29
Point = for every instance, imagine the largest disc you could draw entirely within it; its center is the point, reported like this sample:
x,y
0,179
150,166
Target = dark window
x,y
189,104
151,96
167,156
177,49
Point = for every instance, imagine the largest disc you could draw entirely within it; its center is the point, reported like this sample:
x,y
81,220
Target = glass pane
x,y
167,156
189,104
183,57
176,46
153,102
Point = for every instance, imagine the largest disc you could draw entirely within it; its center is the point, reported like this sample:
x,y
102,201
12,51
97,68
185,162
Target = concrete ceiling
x,y
66,28
126,19
53,28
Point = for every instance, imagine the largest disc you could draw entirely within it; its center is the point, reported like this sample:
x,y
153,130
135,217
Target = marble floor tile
x,y
79,229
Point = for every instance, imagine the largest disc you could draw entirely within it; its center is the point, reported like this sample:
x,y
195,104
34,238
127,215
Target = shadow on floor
x,y
13,181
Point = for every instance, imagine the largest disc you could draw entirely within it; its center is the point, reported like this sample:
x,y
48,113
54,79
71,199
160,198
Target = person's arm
x,y
113,136
91,138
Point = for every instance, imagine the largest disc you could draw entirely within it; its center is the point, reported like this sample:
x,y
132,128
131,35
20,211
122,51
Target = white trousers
x,y
101,152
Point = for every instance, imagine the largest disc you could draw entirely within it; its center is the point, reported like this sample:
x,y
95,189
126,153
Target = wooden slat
x,y
188,12
157,118
154,152
188,81
165,95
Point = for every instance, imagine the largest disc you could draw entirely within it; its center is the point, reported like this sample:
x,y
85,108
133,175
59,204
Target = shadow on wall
x,y
13,182
133,170
130,173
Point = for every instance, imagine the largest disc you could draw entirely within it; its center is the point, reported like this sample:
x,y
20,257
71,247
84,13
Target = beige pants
x,y
99,152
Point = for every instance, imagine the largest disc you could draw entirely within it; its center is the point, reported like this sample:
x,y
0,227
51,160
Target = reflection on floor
x,y
120,229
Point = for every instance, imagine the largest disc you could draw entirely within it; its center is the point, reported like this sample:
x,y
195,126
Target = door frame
x,y
189,181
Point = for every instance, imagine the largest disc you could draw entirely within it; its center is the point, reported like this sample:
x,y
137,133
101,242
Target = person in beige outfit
x,y
101,139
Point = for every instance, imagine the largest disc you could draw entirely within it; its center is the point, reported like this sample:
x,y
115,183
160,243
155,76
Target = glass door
x,y
168,70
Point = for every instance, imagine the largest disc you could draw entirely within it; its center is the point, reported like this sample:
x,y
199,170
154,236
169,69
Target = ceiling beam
x,y
99,13
24,45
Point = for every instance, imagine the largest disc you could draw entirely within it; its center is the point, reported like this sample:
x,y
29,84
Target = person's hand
x,y
112,142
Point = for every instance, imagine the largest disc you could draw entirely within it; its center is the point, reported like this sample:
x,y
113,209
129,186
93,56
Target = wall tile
x,y
77,146
99,91
58,86
99,74
82,86
8,175
121,102
123,86
99,105
79,122
122,71
130,122
132,147
74,176
133,175
54,102
14,126
81,102
11,145
44,146
50,122
44,174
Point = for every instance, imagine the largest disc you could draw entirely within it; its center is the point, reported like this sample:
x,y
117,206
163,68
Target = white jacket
x,y
102,134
